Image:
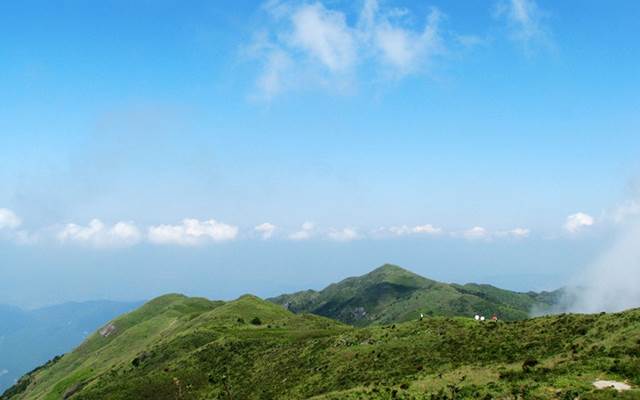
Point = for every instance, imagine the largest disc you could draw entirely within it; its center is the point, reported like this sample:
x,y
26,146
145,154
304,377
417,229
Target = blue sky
x,y
217,149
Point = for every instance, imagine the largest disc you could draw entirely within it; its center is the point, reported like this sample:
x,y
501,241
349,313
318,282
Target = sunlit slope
x,y
180,348
132,333
393,294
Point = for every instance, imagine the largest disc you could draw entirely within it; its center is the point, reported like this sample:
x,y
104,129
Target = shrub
x,y
529,363
256,321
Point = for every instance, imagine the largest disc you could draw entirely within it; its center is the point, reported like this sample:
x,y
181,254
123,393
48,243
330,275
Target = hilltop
x,y
176,347
393,294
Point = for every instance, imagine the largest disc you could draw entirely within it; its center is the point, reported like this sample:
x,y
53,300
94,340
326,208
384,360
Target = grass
x,y
181,348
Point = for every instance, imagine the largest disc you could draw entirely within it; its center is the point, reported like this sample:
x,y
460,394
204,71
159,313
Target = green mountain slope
x,y
392,294
176,347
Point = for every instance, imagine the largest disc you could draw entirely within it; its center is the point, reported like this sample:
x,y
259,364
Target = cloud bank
x,y
194,232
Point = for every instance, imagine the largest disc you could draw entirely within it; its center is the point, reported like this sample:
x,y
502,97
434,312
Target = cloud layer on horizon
x,y
195,232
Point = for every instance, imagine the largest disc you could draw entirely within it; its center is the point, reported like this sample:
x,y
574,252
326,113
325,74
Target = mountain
x,y
175,347
393,294
29,338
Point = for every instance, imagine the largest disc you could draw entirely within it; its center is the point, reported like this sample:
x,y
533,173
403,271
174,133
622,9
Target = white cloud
x,y
577,222
9,228
272,81
305,233
310,44
8,219
343,235
192,232
324,35
265,230
404,49
409,230
97,234
480,233
397,230
476,233
526,22
520,232
517,233
427,229
126,231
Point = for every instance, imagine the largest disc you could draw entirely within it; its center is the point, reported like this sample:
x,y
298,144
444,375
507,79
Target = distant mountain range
x,y
30,338
393,294
180,348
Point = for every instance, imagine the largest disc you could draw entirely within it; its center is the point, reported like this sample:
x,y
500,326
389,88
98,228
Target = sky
x,y
221,148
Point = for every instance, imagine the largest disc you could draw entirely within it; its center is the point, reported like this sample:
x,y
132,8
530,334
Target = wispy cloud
x,y
517,233
9,219
625,212
403,49
11,228
403,230
304,233
476,233
324,36
265,230
192,232
315,44
526,23
343,235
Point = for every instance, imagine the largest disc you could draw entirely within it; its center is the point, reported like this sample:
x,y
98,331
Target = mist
x,y
612,282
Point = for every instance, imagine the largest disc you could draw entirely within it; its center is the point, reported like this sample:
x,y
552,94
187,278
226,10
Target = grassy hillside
x,y
392,294
176,347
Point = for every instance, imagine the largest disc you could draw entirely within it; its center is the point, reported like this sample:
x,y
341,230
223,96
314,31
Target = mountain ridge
x,y
391,293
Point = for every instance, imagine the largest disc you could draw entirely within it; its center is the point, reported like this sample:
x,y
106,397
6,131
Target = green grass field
x,y
176,347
